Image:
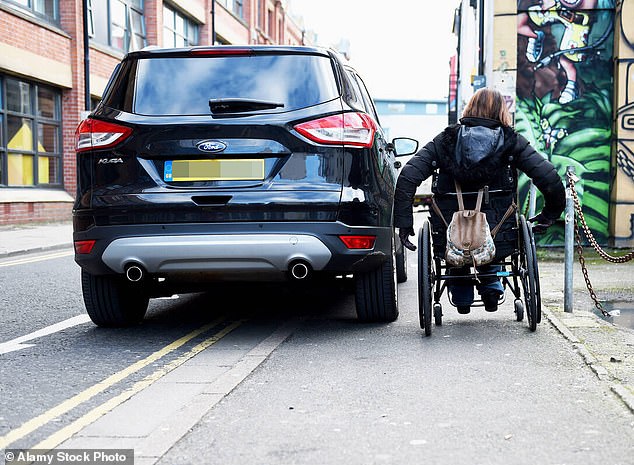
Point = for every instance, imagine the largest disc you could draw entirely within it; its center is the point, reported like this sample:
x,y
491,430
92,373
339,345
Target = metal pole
x,y
87,103
481,38
569,234
213,22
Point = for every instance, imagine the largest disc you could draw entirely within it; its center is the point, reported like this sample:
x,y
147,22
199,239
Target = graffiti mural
x,y
564,97
624,170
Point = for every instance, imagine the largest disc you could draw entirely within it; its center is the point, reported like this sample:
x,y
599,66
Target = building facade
x,y
53,70
566,68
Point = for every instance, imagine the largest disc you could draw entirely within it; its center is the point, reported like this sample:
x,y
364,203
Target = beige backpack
x,y
469,238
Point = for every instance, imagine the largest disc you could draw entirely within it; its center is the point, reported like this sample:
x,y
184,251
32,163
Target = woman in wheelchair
x,y
482,152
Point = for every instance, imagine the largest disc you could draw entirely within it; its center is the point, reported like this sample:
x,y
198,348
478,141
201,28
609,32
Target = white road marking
x,y
19,342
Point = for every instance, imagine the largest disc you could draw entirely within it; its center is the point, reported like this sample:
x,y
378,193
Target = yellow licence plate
x,y
246,169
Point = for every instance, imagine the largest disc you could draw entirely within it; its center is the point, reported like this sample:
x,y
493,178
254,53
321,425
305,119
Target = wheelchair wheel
x,y
438,314
538,297
424,278
519,310
527,272
401,263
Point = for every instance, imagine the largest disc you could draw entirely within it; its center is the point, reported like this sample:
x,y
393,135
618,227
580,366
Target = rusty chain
x,y
579,218
606,256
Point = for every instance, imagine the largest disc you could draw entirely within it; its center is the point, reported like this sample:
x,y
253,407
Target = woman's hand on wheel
x,y
541,223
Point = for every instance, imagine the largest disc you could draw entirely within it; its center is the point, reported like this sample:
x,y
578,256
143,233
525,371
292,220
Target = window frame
x,y
130,35
36,120
30,9
188,22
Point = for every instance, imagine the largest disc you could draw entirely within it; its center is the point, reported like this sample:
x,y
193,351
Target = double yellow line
x,y
38,258
65,433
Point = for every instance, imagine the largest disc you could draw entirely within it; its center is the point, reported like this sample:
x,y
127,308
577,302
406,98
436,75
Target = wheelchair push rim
x,y
425,278
528,275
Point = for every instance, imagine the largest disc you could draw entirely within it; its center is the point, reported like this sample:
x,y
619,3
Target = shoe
x,y
490,300
463,309
570,92
535,47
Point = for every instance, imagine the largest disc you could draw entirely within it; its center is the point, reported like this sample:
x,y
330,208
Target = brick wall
x,y
66,46
23,212
21,33
153,13
102,64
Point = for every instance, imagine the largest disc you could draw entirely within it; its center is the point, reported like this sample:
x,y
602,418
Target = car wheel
x,y
401,264
376,292
112,302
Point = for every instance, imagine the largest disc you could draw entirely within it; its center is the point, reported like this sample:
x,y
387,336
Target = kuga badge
x,y
211,146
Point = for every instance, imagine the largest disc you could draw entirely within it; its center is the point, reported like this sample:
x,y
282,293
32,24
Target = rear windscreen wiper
x,y
237,105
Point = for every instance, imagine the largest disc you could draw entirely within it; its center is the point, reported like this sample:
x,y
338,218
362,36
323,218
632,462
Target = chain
x,y
580,218
606,256
584,270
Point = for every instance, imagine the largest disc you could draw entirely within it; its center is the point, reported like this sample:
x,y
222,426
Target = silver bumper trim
x,y
216,252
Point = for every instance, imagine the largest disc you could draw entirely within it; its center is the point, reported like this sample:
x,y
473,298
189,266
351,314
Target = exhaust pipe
x,y
299,270
134,273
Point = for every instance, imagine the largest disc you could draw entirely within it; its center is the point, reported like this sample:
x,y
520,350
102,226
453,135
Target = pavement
x,y
607,347
28,238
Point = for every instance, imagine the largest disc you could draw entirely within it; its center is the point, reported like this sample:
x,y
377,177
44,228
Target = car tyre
x,y
376,292
112,302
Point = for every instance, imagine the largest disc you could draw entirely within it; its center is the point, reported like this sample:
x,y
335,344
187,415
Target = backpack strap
x,y
436,208
508,213
461,201
459,194
479,200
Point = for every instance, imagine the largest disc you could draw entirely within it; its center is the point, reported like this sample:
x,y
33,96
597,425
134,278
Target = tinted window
x,y
369,104
184,85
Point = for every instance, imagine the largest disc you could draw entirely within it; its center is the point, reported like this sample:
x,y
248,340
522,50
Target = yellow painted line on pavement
x,y
92,391
68,431
39,258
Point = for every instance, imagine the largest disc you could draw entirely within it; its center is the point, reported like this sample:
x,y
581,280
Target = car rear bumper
x,y
253,249
216,252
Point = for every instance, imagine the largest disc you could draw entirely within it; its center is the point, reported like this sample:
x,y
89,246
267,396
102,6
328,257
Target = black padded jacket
x,y
511,149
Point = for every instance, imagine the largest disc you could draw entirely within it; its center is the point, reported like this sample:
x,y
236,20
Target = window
x,y
127,28
202,78
261,10
178,30
117,23
30,134
367,101
91,22
238,8
269,23
47,9
234,6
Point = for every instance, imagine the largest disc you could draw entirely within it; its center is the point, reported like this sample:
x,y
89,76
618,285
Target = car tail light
x,y
95,134
358,242
84,247
355,129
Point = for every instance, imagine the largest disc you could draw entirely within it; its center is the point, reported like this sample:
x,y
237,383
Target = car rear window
x,y
183,85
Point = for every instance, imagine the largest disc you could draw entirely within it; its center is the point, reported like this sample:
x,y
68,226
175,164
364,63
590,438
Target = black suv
x,y
216,163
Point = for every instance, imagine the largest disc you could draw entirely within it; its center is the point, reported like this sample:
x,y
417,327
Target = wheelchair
x,y
515,253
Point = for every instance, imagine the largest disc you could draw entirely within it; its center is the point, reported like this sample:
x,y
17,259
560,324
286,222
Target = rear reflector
x,y
358,242
95,134
84,247
352,129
